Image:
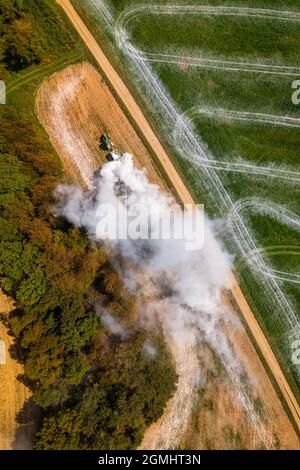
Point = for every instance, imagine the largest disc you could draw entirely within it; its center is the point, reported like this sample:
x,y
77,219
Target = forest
x,y
91,388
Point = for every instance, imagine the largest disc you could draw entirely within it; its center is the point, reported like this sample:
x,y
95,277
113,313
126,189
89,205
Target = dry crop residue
x,y
75,107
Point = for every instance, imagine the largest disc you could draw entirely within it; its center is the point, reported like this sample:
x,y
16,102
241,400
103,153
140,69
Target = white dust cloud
x,y
181,288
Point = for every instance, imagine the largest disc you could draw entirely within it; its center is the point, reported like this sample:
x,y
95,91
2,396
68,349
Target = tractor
x,y
106,143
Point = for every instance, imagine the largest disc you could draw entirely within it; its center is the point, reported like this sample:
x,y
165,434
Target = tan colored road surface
x,y
136,114
13,393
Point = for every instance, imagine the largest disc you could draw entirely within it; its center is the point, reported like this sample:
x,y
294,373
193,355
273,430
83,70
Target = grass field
x,y
227,78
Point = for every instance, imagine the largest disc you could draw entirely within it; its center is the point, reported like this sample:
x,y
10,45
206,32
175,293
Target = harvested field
x,y
82,107
13,392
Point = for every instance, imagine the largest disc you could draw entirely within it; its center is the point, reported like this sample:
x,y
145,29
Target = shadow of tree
x,y
27,419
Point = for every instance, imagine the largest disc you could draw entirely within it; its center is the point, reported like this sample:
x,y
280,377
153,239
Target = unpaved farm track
x,y
149,136
13,393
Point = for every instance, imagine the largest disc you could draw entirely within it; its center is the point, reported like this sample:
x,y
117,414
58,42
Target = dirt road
x,y
147,132
13,392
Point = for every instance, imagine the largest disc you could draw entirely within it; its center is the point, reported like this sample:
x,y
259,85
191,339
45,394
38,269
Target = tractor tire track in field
x,y
228,116
256,257
135,11
100,5
273,250
218,64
